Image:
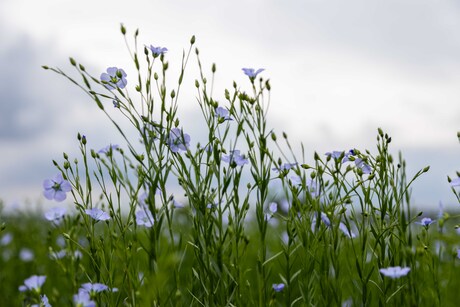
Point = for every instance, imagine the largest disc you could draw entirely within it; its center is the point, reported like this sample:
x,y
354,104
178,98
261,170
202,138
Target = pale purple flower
x,y
335,154
178,140
108,149
60,241
58,255
278,287
273,207
395,272
348,303
77,254
55,215
351,152
26,254
235,158
33,283
144,218
44,302
223,114
251,73
56,188
312,187
348,233
83,299
458,253
93,288
156,51
6,239
295,180
455,182
426,221
285,167
363,166
98,214
114,78
323,217
177,204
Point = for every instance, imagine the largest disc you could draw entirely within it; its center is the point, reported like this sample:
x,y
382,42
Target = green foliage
x,y
323,228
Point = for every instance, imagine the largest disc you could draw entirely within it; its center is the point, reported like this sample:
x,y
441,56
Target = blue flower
x,y
82,299
33,283
222,114
251,73
177,204
58,255
98,214
335,154
323,217
6,239
26,255
144,217
93,288
348,233
56,188
312,187
178,140
363,166
295,180
114,78
285,167
273,207
278,287
55,215
108,149
156,51
395,272
235,158
455,182
44,302
426,221
351,152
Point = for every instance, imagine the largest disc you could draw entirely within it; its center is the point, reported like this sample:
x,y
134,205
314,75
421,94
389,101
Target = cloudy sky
x,y
339,69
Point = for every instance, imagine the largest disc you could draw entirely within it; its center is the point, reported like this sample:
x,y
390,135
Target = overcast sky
x,y
339,70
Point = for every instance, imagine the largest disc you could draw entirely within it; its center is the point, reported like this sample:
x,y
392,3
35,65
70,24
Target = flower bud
x,y
122,29
66,165
192,40
72,61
